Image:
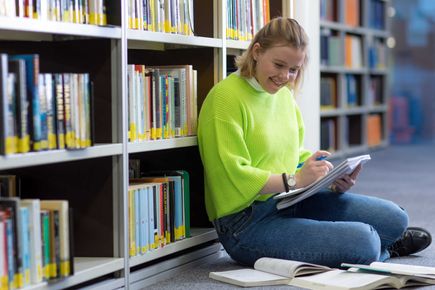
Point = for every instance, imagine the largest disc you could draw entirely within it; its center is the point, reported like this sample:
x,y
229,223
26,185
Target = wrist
x,y
290,181
299,180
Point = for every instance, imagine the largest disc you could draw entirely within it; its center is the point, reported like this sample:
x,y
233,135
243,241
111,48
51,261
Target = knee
x,y
398,220
366,245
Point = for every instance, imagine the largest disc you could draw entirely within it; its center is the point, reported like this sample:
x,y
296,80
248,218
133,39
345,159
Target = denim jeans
x,y
327,228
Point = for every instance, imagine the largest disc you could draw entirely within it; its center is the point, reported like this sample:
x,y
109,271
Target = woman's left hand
x,y
344,183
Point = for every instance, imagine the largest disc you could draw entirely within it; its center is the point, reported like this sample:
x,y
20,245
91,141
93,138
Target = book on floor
x,y
294,196
399,269
271,271
268,271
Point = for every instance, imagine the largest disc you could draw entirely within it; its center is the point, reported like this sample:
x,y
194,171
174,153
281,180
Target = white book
x,y
294,196
400,269
34,209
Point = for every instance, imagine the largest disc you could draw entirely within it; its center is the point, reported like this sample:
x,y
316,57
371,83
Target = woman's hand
x,y
344,183
313,169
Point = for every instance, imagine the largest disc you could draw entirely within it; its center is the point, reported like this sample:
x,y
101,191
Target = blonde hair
x,y
279,31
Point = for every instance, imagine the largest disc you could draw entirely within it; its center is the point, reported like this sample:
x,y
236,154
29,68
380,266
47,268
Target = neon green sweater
x,y
244,136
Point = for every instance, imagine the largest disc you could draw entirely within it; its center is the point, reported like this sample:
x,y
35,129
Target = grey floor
x,y
404,174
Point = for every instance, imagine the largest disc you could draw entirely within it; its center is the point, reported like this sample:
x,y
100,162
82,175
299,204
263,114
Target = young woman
x,y
251,137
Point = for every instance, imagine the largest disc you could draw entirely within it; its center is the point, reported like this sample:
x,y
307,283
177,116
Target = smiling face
x,y
277,66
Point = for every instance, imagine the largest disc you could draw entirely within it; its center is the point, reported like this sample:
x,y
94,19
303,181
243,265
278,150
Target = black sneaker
x,y
413,240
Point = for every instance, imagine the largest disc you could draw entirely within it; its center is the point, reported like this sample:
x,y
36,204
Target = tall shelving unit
x,y
354,76
95,180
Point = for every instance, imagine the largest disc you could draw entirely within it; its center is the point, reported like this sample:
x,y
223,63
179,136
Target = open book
x,y
270,271
399,269
295,196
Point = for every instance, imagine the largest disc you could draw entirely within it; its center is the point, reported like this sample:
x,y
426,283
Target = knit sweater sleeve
x,y
303,153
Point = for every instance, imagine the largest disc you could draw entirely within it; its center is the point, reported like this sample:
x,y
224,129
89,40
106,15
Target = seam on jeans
x,y
321,258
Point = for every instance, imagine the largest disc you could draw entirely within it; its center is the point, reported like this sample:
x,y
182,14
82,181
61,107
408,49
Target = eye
x,y
293,70
278,65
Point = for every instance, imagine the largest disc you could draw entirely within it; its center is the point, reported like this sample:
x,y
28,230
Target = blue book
x,y
152,226
143,220
11,249
25,244
32,85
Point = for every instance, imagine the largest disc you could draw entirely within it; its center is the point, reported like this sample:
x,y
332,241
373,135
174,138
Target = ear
x,y
256,50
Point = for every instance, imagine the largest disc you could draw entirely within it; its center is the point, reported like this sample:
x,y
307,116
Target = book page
x,y
288,268
340,279
408,269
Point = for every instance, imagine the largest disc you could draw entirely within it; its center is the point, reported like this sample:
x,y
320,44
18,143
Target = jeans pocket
x,y
244,222
235,222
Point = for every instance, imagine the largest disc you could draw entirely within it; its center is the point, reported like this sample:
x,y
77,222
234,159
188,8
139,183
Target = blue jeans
x,y
327,229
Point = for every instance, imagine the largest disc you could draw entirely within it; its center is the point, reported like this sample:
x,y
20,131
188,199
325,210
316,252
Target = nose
x,y
284,75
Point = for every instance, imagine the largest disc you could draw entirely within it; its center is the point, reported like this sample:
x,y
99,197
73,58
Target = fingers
x,y
355,173
320,154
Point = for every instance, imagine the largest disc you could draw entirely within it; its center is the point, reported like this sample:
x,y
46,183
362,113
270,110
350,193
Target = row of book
x,y
328,10
159,210
169,16
328,92
162,101
40,111
35,241
9,185
328,134
73,11
332,52
246,17
377,57
352,12
331,48
329,89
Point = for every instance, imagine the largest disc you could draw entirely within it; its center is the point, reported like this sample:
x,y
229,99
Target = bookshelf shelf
x,y
353,75
58,28
199,236
167,38
162,144
237,44
58,156
86,269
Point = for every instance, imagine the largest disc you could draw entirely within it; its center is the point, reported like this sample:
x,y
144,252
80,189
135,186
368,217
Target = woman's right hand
x,y
313,169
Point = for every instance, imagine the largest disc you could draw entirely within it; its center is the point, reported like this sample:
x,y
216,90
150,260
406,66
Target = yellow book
x,y
131,219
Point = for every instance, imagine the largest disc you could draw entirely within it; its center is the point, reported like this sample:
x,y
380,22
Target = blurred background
x,y
412,82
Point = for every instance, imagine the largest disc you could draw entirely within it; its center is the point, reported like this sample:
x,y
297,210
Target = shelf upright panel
x,y
120,109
